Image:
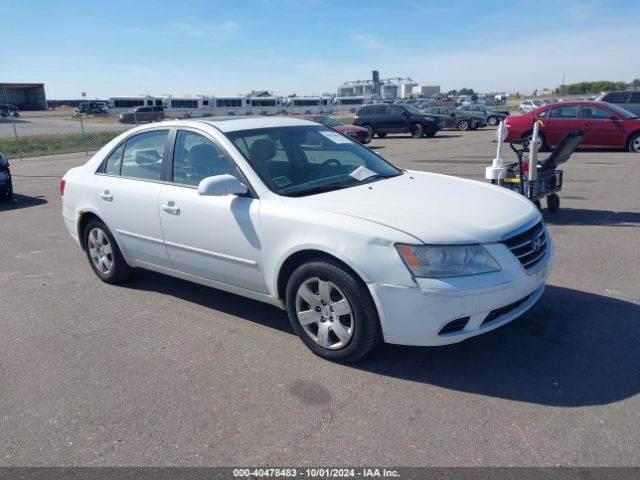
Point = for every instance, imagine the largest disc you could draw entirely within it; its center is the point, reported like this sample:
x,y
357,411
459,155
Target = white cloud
x,y
366,40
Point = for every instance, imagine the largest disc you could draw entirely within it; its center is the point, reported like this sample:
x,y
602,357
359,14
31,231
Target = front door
x,y
600,128
207,236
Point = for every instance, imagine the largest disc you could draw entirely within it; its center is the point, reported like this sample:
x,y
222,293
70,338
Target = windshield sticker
x,y
362,173
281,181
335,137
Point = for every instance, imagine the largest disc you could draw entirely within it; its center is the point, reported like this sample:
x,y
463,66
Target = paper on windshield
x,y
362,173
335,137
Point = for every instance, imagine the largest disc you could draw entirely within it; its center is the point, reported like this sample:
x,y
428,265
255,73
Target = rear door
x,y
599,129
127,188
559,121
396,120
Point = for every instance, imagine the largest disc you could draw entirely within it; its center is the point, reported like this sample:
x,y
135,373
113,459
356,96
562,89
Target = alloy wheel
x,y
100,251
324,313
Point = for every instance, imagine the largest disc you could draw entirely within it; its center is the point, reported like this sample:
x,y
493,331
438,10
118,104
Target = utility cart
x,y
534,179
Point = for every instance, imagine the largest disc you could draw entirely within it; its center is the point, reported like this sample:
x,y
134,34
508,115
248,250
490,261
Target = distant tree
x,y
452,92
465,91
635,83
535,92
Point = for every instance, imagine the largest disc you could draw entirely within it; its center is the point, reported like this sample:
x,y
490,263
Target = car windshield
x,y
328,121
309,159
621,111
539,103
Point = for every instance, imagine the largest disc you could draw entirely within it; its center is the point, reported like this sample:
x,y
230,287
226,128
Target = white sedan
x,y
289,212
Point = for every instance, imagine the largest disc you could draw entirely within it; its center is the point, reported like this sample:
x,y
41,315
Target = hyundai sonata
x,y
290,212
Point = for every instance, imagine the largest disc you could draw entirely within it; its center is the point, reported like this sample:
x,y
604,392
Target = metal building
x,y
26,96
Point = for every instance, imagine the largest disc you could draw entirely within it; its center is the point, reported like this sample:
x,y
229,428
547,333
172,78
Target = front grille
x,y
529,247
499,312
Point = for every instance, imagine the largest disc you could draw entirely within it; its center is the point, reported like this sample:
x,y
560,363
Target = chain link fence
x,y
31,134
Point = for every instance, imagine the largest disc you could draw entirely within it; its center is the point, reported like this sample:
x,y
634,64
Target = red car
x,y
603,124
359,134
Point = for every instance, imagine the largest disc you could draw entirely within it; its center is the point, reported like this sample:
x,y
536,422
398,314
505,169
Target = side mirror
x,y
221,185
614,118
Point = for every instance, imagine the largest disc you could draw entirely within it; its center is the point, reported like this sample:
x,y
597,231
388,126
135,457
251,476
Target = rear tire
x,y
332,311
369,128
104,255
493,121
553,203
542,141
463,125
417,130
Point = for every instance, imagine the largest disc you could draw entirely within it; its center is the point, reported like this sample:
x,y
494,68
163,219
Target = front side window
x,y
195,157
142,158
395,110
302,160
635,97
566,112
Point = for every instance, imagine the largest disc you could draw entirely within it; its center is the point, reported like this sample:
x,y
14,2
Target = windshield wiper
x,y
317,189
378,176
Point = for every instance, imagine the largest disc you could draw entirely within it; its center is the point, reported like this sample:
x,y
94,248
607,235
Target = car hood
x,y
433,208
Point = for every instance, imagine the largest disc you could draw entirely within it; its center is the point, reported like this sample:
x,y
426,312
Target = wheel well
x,y
84,219
299,258
631,135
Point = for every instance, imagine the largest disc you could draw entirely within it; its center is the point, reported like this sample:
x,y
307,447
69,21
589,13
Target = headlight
x,y
3,161
447,261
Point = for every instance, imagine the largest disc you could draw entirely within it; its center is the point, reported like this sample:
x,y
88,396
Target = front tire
x,y
381,134
634,143
417,130
104,255
331,311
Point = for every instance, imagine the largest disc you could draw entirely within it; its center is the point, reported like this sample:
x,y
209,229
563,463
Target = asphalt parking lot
x,y
163,372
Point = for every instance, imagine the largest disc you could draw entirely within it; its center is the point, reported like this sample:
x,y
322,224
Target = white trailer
x,y
125,104
309,105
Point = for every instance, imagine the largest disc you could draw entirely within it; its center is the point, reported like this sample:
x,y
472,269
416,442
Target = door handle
x,y
587,124
106,196
170,207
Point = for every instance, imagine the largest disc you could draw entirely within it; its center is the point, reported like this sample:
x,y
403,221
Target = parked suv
x,y
393,118
6,185
627,99
455,118
142,114
493,116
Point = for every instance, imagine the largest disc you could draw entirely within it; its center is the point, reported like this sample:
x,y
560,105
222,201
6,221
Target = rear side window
x,y
113,163
567,111
616,97
142,158
635,97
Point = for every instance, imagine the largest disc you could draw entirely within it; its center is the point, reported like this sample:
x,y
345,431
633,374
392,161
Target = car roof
x,y
233,123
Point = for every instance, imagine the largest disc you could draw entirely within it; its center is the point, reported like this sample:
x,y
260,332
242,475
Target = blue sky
x,y
221,47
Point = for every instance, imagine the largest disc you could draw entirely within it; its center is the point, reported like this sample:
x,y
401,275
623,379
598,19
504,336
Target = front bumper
x,y
416,315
